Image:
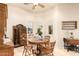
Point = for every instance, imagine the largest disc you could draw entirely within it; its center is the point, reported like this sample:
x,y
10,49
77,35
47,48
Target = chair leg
x,y
23,52
52,54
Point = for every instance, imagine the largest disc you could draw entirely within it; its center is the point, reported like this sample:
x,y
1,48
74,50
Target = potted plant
x,y
39,32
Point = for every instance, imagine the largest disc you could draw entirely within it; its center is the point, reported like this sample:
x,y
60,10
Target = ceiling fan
x,y
35,5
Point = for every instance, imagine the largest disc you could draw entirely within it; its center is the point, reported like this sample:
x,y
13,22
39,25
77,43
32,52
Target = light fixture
x,y
35,3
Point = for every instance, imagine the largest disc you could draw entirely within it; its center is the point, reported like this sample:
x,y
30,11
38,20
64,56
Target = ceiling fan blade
x,y
34,6
26,3
41,5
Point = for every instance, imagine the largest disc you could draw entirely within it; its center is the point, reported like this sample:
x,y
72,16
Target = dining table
x,y
37,42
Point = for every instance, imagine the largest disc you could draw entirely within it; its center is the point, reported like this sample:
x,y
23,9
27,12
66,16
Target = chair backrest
x,y
47,38
24,39
48,50
73,42
52,44
64,40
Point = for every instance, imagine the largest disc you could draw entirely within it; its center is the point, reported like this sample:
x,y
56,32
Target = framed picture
x,y
69,25
50,29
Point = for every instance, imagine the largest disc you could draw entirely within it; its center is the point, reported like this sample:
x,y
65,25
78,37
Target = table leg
x,y
38,54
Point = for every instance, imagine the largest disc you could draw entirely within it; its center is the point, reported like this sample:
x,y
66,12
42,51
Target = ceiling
x,y
28,6
48,6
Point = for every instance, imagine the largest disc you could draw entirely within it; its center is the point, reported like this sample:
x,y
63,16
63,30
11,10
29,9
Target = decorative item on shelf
x,y
5,36
5,32
71,35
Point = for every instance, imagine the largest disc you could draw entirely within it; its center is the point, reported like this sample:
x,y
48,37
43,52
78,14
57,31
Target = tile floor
x,y
57,52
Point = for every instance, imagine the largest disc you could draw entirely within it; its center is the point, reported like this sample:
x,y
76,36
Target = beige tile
x,y
57,52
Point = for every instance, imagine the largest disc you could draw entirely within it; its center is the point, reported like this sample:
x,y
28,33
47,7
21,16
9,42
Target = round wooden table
x,y
37,42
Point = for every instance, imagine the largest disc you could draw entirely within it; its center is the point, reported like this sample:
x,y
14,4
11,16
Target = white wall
x,y
43,19
54,17
17,16
63,13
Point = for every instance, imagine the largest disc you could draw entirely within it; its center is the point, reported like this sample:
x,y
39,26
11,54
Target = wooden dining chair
x,y
27,47
47,50
68,44
34,48
47,40
65,41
